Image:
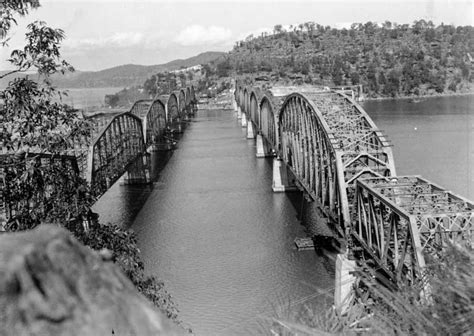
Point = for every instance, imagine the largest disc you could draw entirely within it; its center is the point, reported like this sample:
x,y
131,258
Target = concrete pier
x,y
137,173
344,281
263,148
244,120
281,182
250,130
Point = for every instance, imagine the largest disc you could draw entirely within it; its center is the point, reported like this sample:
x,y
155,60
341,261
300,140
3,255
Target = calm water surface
x,y
218,236
433,138
213,230
84,98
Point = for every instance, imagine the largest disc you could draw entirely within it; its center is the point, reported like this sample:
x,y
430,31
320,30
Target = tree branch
x,y
10,73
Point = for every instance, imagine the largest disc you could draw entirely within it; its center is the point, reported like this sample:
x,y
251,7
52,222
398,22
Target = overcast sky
x,y
104,33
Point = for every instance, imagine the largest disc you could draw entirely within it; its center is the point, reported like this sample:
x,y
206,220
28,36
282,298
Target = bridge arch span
x,y
189,101
245,103
328,142
254,108
268,119
182,104
116,147
172,111
155,123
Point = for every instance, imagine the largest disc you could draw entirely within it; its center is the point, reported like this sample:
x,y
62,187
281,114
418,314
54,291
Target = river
x,y
212,229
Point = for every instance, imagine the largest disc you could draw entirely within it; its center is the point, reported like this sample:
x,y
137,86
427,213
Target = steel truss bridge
x,y
122,141
118,145
326,145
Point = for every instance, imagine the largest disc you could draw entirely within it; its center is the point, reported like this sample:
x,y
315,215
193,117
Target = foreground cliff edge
x,y
50,284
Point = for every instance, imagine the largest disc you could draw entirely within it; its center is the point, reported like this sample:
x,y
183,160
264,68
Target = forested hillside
x,y
124,75
389,60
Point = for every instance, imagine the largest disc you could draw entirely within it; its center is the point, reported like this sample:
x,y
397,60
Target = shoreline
x,y
425,96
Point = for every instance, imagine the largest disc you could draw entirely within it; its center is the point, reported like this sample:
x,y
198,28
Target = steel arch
x,y
245,104
172,111
182,104
328,141
155,123
254,110
116,147
269,121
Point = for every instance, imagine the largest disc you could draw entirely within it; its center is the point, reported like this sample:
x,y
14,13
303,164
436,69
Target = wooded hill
x,y
388,59
124,75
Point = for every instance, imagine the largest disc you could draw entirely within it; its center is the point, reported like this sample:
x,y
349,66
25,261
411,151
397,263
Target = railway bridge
x,y
119,145
324,144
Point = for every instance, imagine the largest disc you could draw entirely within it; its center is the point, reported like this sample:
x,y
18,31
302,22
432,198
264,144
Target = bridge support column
x,y
263,149
250,130
138,172
344,282
181,126
239,112
244,120
281,182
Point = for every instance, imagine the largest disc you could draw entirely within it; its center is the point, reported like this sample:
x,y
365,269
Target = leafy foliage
x,y
45,187
10,8
123,243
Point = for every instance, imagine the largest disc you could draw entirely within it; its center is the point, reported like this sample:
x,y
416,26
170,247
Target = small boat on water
x,y
304,243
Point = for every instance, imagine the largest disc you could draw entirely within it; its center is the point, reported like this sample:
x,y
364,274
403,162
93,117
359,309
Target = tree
x,y
32,121
278,29
223,68
355,78
33,117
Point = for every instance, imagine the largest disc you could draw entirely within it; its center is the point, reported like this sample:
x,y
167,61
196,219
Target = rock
x,y
50,284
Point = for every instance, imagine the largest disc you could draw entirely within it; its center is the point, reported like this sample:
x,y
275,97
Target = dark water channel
x,y
212,229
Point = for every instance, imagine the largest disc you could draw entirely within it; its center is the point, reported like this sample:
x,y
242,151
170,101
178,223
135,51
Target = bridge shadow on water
x,y
128,200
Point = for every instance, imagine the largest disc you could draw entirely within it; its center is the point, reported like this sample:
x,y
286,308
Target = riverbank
x,y
425,96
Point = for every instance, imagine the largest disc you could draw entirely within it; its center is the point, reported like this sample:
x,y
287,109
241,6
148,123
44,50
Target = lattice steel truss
x,y
269,108
116,147
182,104
255,98
153,116
329,142
438,215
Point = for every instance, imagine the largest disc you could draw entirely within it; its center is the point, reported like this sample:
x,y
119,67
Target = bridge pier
x,y
239,113
138,172
281,181
244,120
343,292
250,130
263,148
234,105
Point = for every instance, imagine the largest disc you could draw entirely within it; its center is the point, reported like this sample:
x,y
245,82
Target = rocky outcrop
x,y
50,284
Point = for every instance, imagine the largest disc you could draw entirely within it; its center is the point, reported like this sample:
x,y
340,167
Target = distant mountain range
x,y
123,75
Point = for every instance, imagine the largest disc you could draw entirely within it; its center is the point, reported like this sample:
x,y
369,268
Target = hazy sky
x,y
105,33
